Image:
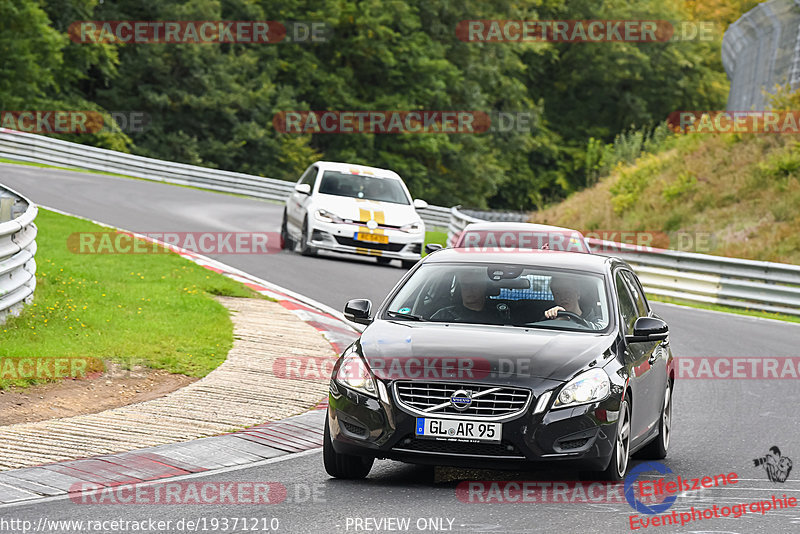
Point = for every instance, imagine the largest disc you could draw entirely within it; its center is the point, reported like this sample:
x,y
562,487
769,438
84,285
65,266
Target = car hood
x,y
363,210
405,349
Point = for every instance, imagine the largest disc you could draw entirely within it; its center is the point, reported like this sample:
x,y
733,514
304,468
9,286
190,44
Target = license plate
x,y
374,238
454,429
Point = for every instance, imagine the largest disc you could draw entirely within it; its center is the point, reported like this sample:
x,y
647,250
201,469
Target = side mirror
x,y
304,189
357,310
430,248
648,329
420,204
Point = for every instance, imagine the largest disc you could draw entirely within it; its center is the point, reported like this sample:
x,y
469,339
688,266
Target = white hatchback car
x,y
354,209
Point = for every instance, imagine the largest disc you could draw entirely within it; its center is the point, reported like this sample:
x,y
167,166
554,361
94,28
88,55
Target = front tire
x,y
305,248
622,446
286,240
343,465
657,449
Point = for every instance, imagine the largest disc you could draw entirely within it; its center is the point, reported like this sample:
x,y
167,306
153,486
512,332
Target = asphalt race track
x,y
720,426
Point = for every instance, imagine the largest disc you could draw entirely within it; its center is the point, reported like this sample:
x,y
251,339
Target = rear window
x,y
365,187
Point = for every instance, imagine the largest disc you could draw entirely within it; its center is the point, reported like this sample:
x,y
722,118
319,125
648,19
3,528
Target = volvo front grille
x,y
438,399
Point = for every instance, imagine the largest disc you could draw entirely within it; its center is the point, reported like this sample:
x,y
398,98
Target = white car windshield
x,y
360,186
514,295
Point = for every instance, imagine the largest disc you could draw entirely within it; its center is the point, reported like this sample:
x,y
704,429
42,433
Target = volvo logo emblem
x,y
461,400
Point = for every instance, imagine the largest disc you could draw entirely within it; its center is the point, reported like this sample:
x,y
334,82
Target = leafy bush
x,y
631,182
627,146
685,183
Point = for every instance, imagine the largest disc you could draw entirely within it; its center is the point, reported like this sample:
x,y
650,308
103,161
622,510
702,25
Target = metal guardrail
x,y
762,50
701,278
435,217
458,221
40,149
497,216
17,250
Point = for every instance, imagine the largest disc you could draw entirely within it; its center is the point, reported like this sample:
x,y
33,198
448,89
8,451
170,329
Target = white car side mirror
x,y
303,188
420,204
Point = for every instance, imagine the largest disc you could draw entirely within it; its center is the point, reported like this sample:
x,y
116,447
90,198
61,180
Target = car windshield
x,y
511,295
360,186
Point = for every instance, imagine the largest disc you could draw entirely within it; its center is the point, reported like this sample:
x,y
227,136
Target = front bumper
x,y
581,437
340,237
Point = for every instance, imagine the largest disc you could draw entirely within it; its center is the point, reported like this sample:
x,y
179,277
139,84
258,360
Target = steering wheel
x,y
574,316
563,313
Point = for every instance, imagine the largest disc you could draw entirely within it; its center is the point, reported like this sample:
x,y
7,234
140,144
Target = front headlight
x,y
591,386
326,216
412,228
354,373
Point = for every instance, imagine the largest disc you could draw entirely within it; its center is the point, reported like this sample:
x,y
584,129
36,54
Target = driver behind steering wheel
x,y
567,295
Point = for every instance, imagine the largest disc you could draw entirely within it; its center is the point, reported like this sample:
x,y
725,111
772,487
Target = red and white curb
x,y
217,454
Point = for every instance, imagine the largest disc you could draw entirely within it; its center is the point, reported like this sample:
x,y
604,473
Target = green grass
x,y
155,310
434,237
725,309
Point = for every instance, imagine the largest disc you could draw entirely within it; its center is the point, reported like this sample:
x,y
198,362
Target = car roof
x,y
360,169
517,226
579,261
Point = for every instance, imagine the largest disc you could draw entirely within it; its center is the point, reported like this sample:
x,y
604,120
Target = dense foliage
x,y
213,104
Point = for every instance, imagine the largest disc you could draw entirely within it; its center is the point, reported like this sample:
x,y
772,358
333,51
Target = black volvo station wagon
x,y
504,360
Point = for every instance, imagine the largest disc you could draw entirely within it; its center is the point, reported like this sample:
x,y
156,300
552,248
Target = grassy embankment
x,y
155,310
741,190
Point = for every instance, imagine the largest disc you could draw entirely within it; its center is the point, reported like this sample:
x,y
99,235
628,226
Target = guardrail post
x,y
6,203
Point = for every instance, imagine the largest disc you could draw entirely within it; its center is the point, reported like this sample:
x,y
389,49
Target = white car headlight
x,y
326,216
412,228
354,373
591,386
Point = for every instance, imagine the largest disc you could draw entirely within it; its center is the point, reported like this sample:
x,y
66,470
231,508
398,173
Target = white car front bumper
x,y
341,237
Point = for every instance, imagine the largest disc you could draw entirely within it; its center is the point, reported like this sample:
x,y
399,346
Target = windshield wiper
x,y
405,315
